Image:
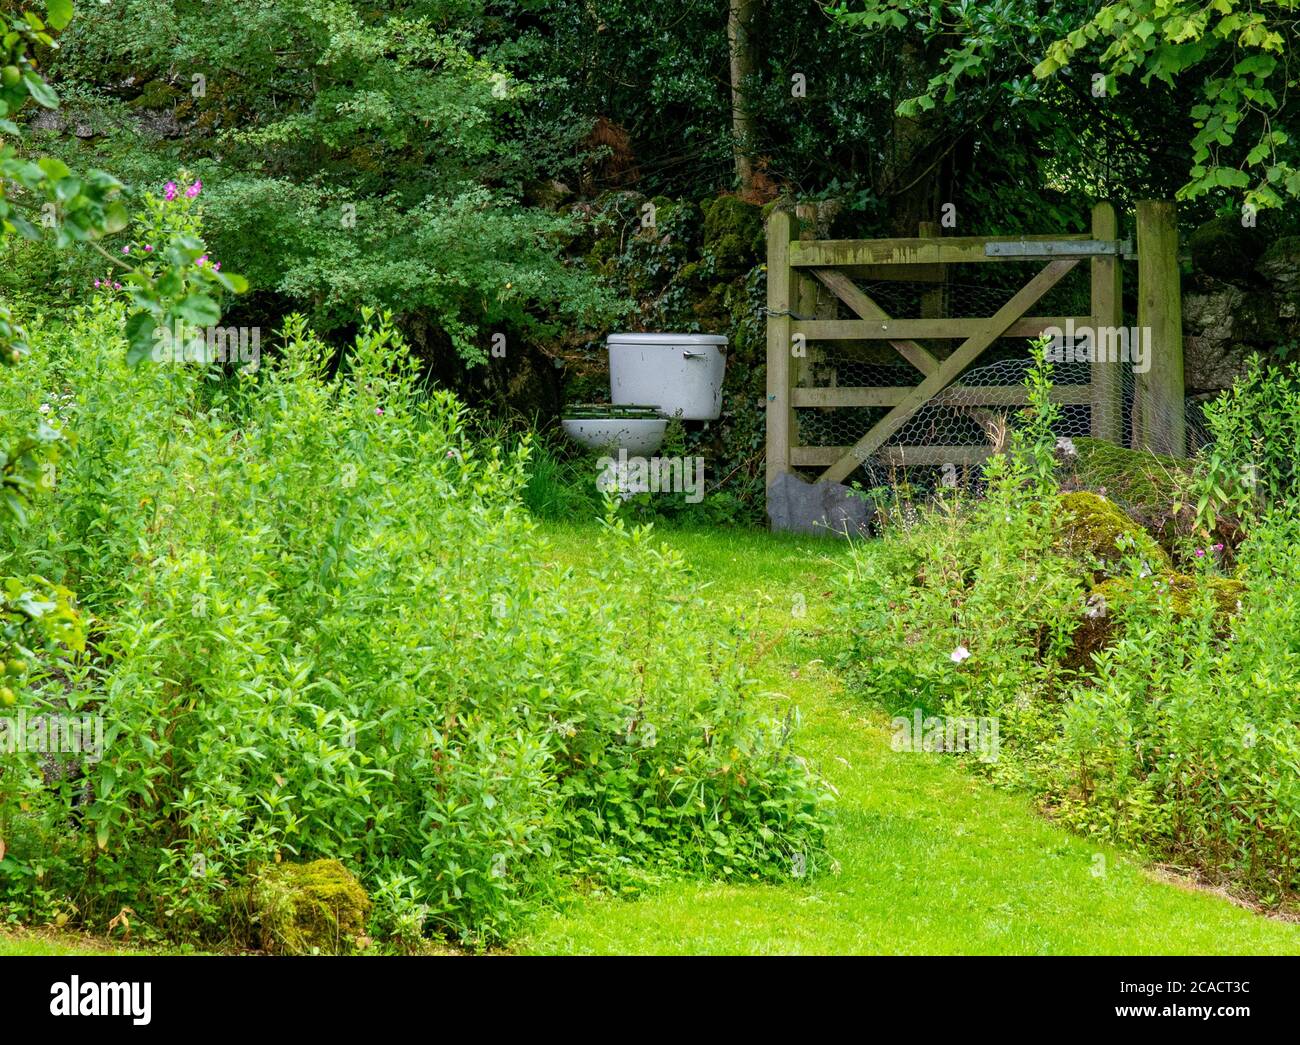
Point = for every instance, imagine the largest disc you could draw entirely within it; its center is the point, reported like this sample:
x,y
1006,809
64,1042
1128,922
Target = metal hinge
x,y
1060,248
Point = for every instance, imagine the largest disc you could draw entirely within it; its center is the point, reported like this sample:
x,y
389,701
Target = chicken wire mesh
x,y
945,441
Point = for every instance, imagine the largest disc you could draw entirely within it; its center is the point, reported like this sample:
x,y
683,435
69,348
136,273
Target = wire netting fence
x,y
975,415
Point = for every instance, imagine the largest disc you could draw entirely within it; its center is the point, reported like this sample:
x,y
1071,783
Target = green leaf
x,y
140,328
170,282
232,281
58,13
40,91
199,309
115,218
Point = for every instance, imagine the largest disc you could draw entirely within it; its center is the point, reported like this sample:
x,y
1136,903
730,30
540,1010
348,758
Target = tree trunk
x,y
913,179
744,57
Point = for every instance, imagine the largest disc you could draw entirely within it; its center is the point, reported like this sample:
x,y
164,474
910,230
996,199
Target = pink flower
x,y
169,191
126,250
1200,553
148,248
194,189
217,265
97,282
202,261
379,411
117,286
1218,547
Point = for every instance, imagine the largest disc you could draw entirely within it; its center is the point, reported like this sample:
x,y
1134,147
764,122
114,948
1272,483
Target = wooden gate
x,y
802,270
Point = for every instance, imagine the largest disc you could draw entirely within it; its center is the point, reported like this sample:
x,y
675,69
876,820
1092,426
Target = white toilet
x,y
652,378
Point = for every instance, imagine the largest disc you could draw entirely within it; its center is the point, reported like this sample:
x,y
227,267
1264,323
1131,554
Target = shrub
x,y
1184,740
325,627
1251,464
1158,711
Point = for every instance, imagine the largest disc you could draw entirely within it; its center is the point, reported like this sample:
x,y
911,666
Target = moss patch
x,y
1096,531
315,908
1108,600
157,94
733,234
1146,486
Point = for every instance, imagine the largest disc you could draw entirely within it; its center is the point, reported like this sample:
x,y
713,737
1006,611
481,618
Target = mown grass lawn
x,y
45,943
931,860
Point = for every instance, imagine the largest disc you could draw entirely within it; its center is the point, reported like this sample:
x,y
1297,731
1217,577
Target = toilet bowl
x,y
610,434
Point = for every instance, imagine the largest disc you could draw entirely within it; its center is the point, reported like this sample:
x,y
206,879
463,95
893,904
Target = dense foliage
x,y
1251,467
323,625
307,599
356,157
1143,701
415,158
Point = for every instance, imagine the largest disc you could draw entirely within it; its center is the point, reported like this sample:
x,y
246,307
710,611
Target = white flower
x,y
959,654
45,408
1066,445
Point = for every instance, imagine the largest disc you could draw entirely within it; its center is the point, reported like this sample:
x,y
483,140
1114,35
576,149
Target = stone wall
x,y
1242,297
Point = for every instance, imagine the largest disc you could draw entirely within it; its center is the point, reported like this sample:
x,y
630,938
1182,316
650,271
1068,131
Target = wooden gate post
x,y
1107,311
781,229
1159,403
933,305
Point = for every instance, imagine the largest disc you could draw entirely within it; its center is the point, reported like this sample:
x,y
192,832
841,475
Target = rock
x,y
1099,626
1211,365
1144,485
733,234
315,908
1222,248
549,194
47,120
1096,531
796,505
1221,323
158,125
1280,265
1213,309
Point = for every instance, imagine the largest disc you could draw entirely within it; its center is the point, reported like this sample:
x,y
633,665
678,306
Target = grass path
x,y
931,860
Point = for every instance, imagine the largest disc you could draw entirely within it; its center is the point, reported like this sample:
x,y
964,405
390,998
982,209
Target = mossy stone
x,y
1222,248
314,908
1095,530
693,274
157,94
1149,487
1099,627
733,234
